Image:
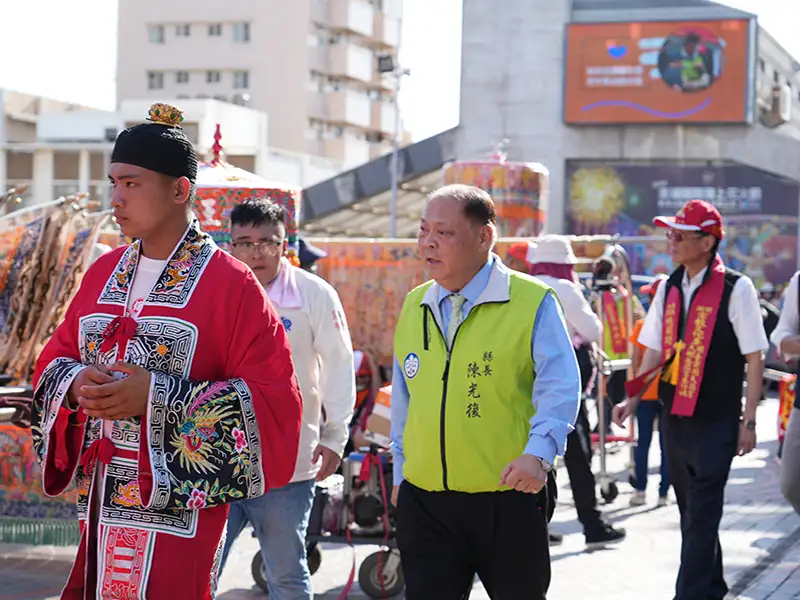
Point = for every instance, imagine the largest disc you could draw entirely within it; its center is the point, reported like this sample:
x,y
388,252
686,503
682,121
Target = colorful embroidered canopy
x,y
220,186
519,191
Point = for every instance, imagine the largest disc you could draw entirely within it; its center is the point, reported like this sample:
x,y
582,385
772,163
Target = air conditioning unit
x,y
241,99
775,106
221,97
785,103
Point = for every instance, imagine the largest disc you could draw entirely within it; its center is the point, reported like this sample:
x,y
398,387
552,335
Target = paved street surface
x,y
760,538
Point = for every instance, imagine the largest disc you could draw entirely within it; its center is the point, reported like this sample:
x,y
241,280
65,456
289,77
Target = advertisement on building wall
x,y
759,209
659,72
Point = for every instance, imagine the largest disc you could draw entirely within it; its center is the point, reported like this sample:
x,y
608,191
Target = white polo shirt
x,y
744,313
789,322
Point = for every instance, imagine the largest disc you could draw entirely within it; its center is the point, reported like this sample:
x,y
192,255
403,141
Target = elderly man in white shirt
x,y
553,261
322,352
786,338
703,328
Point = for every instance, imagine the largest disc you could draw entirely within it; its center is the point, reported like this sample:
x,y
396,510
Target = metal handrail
x,y
7,414
775,375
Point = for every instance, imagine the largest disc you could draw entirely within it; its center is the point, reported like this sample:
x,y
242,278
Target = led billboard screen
x,y
659,72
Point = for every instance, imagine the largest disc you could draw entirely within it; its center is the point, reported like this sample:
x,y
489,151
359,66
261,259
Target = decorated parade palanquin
x,y
44,251
372,278
221,186
519,191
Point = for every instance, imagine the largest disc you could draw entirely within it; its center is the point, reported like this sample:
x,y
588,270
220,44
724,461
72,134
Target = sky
x,y
71,54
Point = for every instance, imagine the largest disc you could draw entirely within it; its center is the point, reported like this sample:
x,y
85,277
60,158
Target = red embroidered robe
x,y
222,423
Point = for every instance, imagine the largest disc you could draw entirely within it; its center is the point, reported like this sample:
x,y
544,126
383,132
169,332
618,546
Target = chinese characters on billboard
x,y
658,72
760,211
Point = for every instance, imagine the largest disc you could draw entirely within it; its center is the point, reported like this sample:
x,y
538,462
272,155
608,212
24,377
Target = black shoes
x,y
603,535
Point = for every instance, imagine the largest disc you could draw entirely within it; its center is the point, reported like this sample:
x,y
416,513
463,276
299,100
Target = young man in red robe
x,y
703,327
167,392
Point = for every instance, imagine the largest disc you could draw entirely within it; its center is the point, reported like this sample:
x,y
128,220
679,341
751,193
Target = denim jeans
x,y
646,414
280,520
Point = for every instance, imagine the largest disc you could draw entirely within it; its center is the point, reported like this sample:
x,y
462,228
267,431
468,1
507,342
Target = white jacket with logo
x,y
323,360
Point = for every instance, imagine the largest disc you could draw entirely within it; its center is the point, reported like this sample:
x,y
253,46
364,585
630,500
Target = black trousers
x,y
699,456
446,538
578,460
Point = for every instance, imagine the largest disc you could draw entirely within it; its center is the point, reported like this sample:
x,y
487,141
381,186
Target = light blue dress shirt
x,y
556,392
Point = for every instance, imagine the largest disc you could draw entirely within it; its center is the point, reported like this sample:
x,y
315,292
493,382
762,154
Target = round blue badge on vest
x,y
287,324
411,365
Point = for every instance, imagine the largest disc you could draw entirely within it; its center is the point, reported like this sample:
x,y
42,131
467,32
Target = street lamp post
x,y
387,64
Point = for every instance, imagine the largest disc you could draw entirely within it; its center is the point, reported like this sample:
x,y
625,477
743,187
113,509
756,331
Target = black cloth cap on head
x,y
308,253
160,146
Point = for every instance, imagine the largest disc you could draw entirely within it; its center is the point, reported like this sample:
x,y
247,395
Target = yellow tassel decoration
x,y
673,371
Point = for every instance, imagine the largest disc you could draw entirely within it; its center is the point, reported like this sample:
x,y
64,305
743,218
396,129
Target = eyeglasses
x,y
267,247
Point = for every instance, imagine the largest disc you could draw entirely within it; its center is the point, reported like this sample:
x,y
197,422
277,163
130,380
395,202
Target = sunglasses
x,y
678,236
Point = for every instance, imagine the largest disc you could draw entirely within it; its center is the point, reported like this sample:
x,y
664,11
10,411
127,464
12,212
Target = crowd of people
x,y
190,392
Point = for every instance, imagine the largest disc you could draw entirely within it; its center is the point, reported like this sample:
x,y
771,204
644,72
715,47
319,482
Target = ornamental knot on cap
x,y
165,114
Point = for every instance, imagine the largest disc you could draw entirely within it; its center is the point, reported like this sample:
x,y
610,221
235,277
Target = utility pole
x,y
388,64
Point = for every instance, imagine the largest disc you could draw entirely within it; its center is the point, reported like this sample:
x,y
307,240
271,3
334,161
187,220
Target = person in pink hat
x,y
703,327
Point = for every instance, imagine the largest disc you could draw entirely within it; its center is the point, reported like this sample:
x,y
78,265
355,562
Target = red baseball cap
x,y
696,215
522,251
651,288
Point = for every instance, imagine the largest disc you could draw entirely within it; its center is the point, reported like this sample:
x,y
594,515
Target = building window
x,y
241,32
215,29
776,77
182,77
762,65
183,30
156,34
213,76
155,81
241,80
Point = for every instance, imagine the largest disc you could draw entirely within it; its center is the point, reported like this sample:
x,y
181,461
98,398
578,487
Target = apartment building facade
x,y
311,65
57,149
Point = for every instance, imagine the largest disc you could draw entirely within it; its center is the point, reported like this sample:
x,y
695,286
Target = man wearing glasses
x,y
313,317
703,327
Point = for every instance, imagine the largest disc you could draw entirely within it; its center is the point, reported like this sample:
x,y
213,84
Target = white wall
x,y
301,170
243,129
82,125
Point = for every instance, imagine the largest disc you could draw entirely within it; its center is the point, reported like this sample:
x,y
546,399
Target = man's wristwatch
x,y
750,424
545,465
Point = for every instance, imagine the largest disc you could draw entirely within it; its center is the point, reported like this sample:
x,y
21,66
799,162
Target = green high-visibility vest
x,y
470,409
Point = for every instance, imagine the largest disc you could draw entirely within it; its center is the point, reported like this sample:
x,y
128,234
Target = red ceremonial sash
x,y
687,355
682,363
616,327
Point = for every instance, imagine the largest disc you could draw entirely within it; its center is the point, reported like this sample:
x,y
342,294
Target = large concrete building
x,y
514,67
309,64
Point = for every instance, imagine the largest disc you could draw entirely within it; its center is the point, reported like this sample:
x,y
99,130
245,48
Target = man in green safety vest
x,y
485,391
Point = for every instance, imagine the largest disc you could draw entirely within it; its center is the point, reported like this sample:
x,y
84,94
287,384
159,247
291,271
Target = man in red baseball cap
x,y
520,256
704,325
